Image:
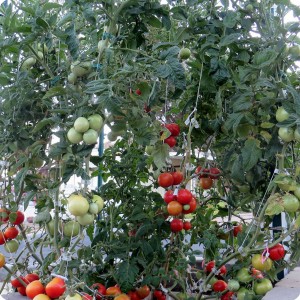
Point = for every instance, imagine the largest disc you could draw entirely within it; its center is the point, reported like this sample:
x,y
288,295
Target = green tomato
x,y
73,136
28,63
43,48
95,122
297,135
72,78
286,134
243,275
294,51
281,114
51,227
262,286
93,209
233,285
81,124
258,264
86,219
184,53
112,136
11,246
290,203
90,137
71,228
243,293
149,149
99,201
81,68
297,191
78,205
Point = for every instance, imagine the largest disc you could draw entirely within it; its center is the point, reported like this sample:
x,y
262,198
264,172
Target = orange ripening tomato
x,y
55,288
143,291
174,208
34,288
113,291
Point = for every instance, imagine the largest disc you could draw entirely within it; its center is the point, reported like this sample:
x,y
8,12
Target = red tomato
x,y
174,208
203,172
187,225
100,288
54,289
219,286
206,183
147,108
214,173
22,290
31,277
192,206
178,177
34,288
165,179
176,225
228,296
2,238
169,196
277,252
256,273
173,128
159,295
237,229
18,217
138,92
113,291
171,141
210,265
143,291
16,283
11,233
133,295
4,215
184,196
86,296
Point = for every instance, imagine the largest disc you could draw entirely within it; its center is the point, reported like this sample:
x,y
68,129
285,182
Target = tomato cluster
x,y
207,176
175,131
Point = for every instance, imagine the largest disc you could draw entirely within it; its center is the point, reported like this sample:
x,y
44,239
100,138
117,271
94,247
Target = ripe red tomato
x,y
22,290
219,286
17,217
228,296
86,296
165,179
133,295
34,288
210,265
203,172
100,288
159,295
16,283
187,225
31,277
11,233
55,289
184,196
206,183
214,173
171,141
2,238
176,225
237,229
277,252
138,92
4,215
192,206
173,128
178,177
169,196
256,273
143,291
174,208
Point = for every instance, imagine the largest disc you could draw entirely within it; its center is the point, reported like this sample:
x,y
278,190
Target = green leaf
x,y
126,274
19,179
233,121
42,217
264,58
251,153
160,154
29,197
230,19
296,97
153,21
42,23
40,125
55,91
229,39
297,222
237,170
50,5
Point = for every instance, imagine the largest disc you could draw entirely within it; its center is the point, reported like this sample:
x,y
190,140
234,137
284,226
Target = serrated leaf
x,y
41,22
264,58
42,217
29,197
274,208
251,153
266,135
42,124
160,154
229,39
55,91
144,229
233,121
296,97
237,170
19,179
126,274
230,19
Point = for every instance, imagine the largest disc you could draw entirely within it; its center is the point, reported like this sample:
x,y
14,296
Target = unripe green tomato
x,y
297,135
99,201
262,286
81,124
28,63
297,191
51,225
294,51
40,55
81,68
78,206
71,229
233,285
286,134
95,122
93,209
281,114
290,203
86,219
11,246
90,137
184,53
260,265
244,293
73,297
43,48
72,78
243,275
73,136
112,136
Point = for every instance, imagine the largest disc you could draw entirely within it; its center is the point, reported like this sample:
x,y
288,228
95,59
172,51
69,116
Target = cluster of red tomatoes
x,y
174,130
31,286
9,233
207,176
179,202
